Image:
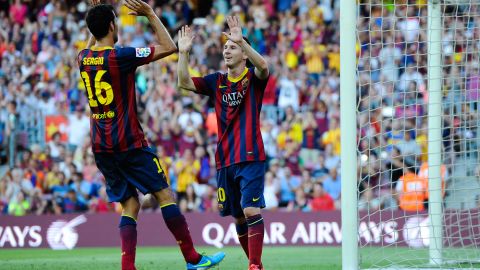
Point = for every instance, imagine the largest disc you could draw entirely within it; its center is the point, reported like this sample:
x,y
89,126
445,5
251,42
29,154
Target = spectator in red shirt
x,y
321,200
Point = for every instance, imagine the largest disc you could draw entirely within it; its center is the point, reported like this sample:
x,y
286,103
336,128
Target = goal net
x,y
418,134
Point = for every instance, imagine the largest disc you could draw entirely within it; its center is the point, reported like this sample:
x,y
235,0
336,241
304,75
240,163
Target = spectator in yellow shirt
x,y
332,136
334,58
186,170
127,21
20,206
313,57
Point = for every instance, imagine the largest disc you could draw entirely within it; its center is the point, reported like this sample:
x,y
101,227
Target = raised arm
x,y
185,39
166,45
235,35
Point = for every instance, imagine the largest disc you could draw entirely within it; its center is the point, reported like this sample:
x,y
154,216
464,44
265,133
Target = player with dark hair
x,y
240,155
118,141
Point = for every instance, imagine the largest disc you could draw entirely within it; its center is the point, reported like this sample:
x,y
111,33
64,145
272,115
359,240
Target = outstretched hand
x,y
138,7
95,2
185,39
235,34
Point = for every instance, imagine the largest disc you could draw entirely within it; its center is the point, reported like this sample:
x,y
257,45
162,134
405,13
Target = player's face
x,y
233,55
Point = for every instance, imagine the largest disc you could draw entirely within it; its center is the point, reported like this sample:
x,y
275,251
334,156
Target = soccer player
x,y
118,142
240,154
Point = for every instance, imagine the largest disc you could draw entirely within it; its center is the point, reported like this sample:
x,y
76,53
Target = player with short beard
x,y
119,146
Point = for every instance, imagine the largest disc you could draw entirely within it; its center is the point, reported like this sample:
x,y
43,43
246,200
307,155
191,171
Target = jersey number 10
x,y
99,86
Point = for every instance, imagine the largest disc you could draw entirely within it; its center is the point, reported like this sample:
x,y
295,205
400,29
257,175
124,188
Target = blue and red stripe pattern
x,y
109,77
238,103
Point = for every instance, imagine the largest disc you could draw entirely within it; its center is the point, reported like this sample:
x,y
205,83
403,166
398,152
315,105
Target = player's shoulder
x,y
82,53
215,75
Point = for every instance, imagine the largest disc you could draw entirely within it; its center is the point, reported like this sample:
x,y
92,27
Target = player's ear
x,y
112,26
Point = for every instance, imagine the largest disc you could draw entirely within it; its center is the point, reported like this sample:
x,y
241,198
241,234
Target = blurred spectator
x,y
288,94
321,201
368,202
288,184
411,192
271,191
19,206
78,129
186,170
311,142
39,42
332,184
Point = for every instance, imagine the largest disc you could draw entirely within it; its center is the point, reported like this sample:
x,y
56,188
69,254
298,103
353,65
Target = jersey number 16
x,y
99,86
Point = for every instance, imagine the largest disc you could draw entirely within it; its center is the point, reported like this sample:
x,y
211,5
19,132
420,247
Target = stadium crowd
x,y
39,42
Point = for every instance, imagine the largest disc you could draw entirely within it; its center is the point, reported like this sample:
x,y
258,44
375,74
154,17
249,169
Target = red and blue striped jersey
x,y
238,102
109,77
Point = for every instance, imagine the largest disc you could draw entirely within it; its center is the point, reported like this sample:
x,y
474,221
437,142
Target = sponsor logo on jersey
x,y
234,98
142,52
105,115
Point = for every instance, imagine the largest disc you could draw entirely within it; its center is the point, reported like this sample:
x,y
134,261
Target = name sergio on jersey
x,y
105,115
92,61
234,98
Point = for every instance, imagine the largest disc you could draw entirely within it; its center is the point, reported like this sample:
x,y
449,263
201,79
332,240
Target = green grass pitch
x,y
274,258
165,258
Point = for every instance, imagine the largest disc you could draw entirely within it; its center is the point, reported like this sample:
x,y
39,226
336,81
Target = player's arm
x,y
235,35
185,39
166,45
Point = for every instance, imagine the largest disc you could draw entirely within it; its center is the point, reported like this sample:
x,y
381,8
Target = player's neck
x,y
235,72
105,42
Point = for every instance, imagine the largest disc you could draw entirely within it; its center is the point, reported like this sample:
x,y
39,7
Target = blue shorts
x,y
125,172
240,186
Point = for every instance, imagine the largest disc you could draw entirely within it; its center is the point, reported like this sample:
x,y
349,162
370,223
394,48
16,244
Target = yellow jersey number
x,y
221,194
158,165
100,86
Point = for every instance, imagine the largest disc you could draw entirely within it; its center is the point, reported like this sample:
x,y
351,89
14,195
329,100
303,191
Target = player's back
x,y
109,77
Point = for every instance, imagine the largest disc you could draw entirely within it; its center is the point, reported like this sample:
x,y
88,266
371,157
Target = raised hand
x,y
139,8
235,34
185,39
95,2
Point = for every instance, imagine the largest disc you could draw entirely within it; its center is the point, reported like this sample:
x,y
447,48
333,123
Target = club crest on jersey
x,y
245,82
142,52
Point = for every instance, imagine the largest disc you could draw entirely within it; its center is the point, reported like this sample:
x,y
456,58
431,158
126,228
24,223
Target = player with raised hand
x,y
240,155
118,141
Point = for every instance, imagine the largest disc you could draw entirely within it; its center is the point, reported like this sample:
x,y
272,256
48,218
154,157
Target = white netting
x,y
392,42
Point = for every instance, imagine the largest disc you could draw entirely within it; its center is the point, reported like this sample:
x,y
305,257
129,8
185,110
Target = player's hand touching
x,y
235,34
95,2
185,39
139,8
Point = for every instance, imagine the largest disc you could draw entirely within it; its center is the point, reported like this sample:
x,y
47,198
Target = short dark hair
x,y
13,103
98,20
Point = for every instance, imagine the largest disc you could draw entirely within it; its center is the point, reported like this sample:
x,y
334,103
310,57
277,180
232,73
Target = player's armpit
x,y
200,85
187,88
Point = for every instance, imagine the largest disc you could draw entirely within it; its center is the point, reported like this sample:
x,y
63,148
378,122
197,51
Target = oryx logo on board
x,y
62,234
